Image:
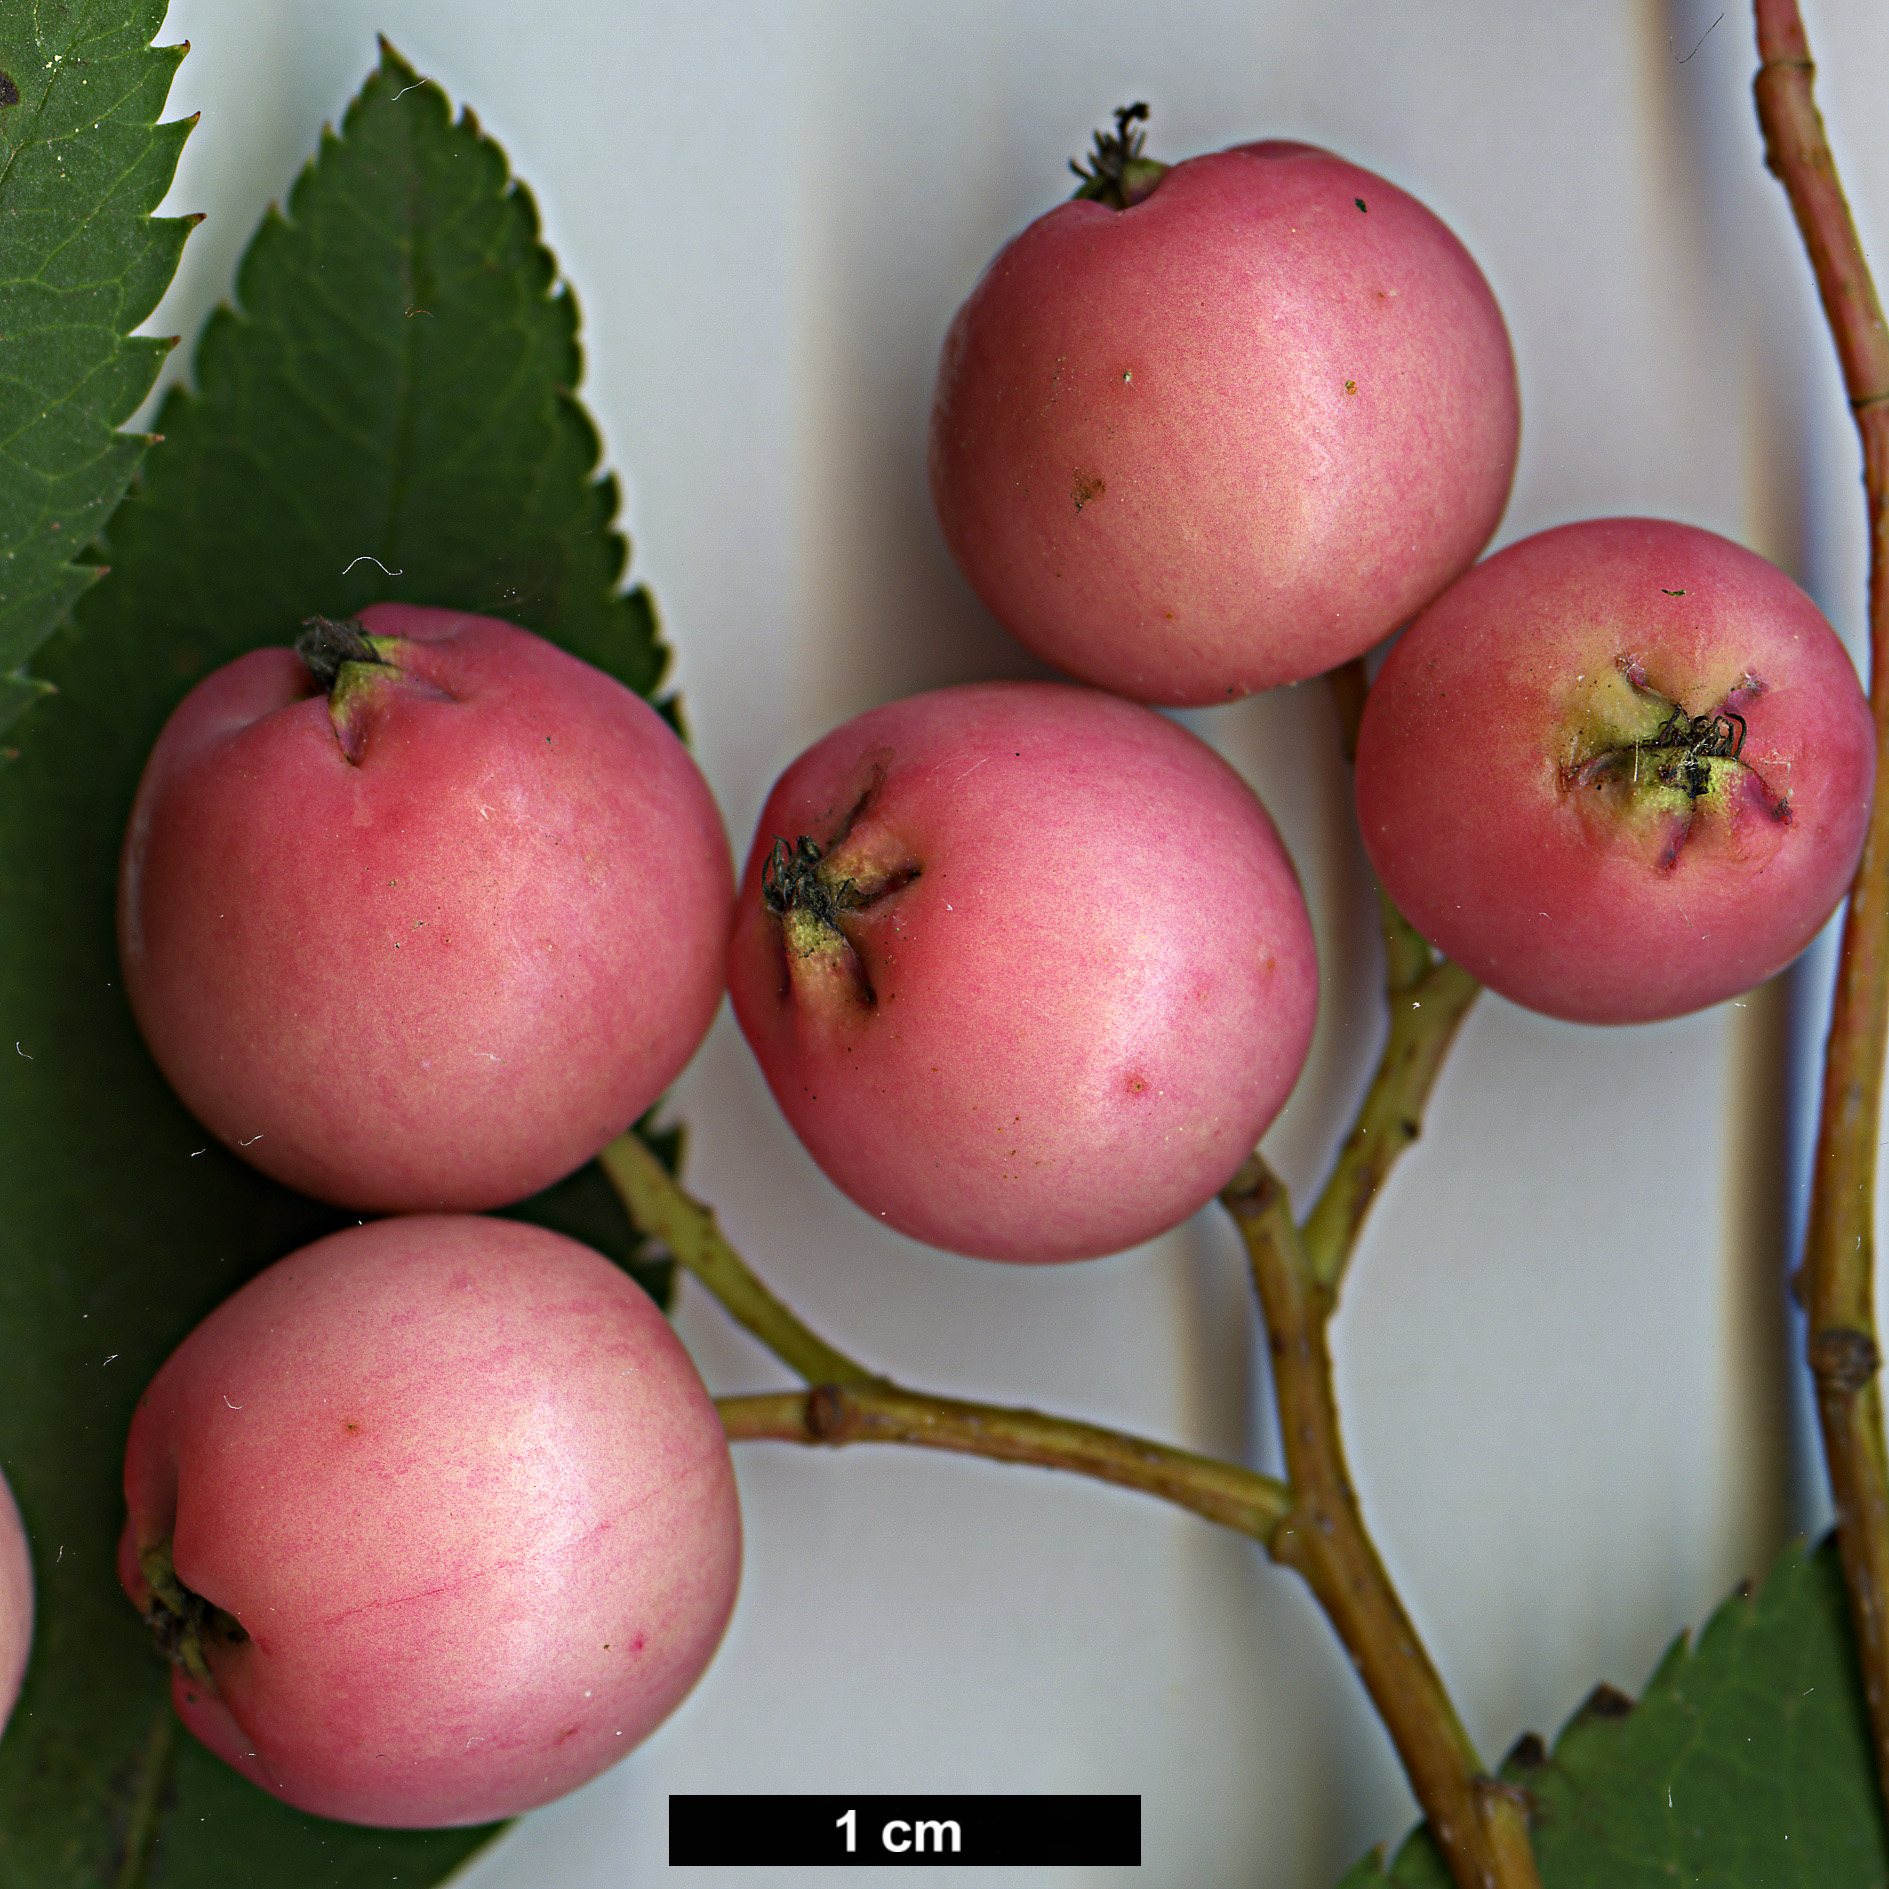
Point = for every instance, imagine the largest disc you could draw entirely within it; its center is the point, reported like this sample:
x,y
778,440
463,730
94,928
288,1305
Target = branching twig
x,y
882,1413
1480,1825
850,1404
1839,1243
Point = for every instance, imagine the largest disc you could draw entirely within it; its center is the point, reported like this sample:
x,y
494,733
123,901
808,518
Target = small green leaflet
x,y
386,413
1747,1761
83,163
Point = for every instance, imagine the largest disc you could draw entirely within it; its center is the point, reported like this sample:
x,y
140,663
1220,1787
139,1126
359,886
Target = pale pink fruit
x,y
1025,966
432,944
438,1517
1230,436
16,1601
1620,771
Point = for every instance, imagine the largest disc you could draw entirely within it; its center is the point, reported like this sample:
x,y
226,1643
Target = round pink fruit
x,y
1620,771
430,938
1025,966
16,1601
1230,436
437,1519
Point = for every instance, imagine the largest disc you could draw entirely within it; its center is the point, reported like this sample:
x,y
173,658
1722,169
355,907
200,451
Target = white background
x,y
1561,1348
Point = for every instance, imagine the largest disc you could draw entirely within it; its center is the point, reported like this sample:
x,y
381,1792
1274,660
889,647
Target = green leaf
x,y
327,422
83,163
1418,1865
1746,1761
385,413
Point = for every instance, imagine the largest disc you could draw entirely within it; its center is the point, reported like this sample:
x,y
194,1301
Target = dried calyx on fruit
x,y
350,666
1619,771
182,1622
1687,769
813,893
1117,173
329,644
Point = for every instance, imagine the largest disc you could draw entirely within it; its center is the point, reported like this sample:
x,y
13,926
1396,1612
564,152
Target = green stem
x,y
883,1413
1479,1824
150,1779
1427,998
850,1404
682,1224
1426,1009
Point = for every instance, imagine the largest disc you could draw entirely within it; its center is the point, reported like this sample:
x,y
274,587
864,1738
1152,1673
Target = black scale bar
x,y
919,1832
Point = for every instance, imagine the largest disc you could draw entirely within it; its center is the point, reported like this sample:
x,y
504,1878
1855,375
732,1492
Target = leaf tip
x,y
392,64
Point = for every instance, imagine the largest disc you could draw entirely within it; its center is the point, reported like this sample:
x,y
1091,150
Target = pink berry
x,y
1025,966
1230,436
436,1516
16,1601
1620,771
432,942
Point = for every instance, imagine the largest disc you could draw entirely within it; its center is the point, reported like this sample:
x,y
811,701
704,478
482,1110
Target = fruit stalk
x,y
1429,998
1479,1824
151,1781
1835,1283
688,1231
